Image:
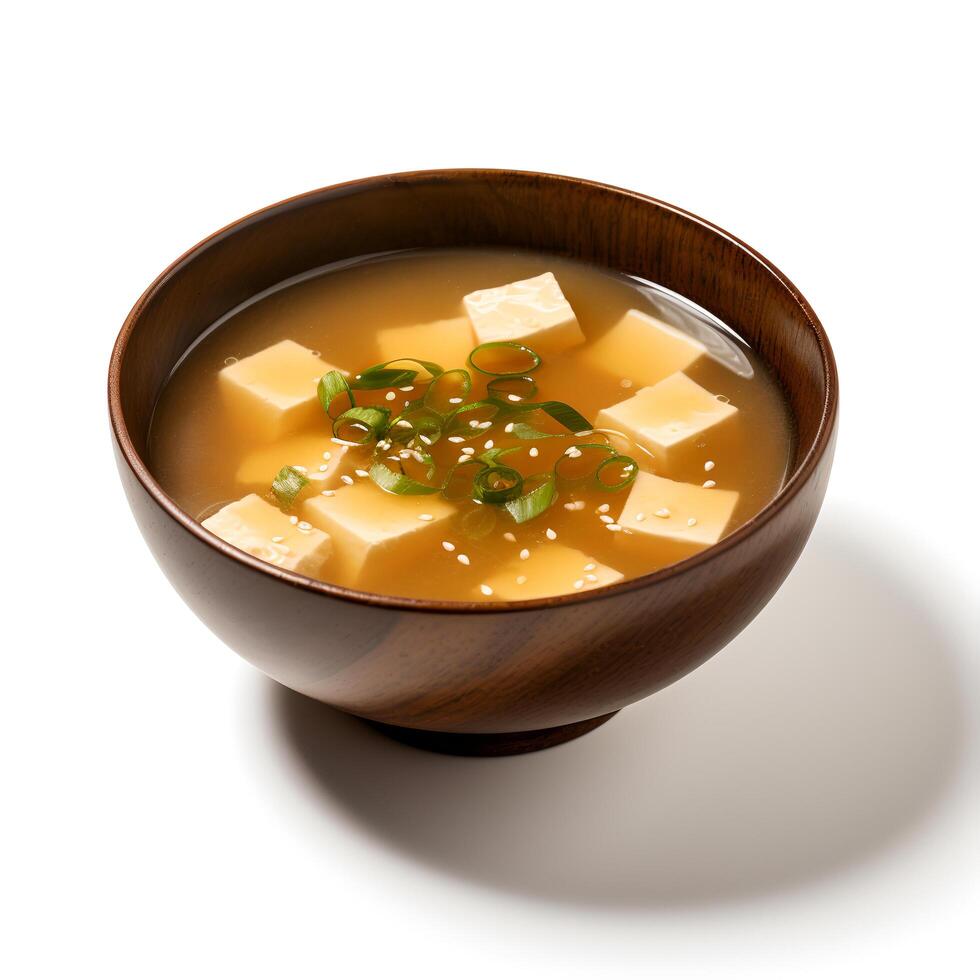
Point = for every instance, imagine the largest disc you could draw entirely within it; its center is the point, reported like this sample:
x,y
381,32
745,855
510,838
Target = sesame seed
x,y
486,590
390,397
448,546
592,578
663,512
550,535
404,453
456,439
613,527
455,400
708,484
324,467
514,398
578,583
277,539
326,493
327,455
605,518
300,469
603,508
462,559
467,450
588,568
304,525
521,579
425,517
407,388
488,444
362,472
525,554
294,519
533,451
626,383
463,459
641,516
570,506
474,423
709,466
508,536
348,480
509,427
425,439
691,521
573,452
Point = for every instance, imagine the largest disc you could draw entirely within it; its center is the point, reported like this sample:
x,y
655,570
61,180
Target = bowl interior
x,y
606,226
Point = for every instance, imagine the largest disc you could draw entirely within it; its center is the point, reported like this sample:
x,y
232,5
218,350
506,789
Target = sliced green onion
x,y
369,376
522,430
497,485
421,421
522,387
627,465
563,414
363,423
332,384
502,345
449,489
287,484
459,422
399,483
384,378
565,460
455,384
535,502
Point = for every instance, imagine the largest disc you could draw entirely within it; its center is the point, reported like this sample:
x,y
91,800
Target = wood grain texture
x,y
456,667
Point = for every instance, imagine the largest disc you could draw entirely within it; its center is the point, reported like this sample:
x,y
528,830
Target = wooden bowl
x,y
470,677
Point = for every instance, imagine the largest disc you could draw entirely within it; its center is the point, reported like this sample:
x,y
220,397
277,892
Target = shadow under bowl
x,y
477,678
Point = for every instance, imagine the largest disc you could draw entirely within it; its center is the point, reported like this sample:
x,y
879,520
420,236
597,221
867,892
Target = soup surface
x,y
646,433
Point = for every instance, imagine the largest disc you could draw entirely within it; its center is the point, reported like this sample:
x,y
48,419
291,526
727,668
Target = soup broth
x,y
567,428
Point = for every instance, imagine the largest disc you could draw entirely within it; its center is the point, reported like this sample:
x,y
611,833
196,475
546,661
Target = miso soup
x,y
470,424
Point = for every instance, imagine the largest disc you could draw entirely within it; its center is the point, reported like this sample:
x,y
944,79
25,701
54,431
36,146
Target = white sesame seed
x,y
626,383
403,424
277,539
606,519
533,451
525,554
327,455
488,444
578,583
425,439
362,472
709,466
304,525
463,459
508,536
390,397
641,516
408,388
448,546
603,508
691,521
514,398
324,467
708,484
550,535
486,590
300,469
467,450
521,579
456,439
613,527
570,506
475,424
592,578
348,480
455,400
589,567
663,512
573,452
485,425
404,454
462,559
425,517
326,493
294,519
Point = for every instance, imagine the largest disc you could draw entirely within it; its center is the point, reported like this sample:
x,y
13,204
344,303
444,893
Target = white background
x,y
806,804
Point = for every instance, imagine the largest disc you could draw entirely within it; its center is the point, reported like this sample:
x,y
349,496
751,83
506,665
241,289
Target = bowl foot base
x,y
502,743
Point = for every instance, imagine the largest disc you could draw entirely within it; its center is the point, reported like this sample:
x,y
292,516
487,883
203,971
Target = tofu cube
x,y
531,311
665,509
262,530
370,527
668,419
314,455
273,393
552,569
643,349
447,342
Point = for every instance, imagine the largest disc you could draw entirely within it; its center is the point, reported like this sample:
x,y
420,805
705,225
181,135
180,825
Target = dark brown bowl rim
x,y
785,495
